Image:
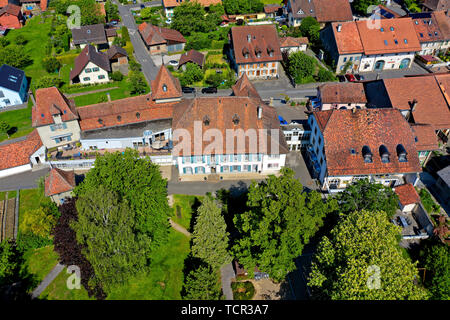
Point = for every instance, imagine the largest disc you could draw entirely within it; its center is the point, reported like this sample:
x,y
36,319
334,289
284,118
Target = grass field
x,y
29,200
165,279
41,261
183,207
272,1
20,120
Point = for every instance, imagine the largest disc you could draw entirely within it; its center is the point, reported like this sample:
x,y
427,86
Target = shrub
x,y
47,82
170,68
21,40
428,202
51,64
125,34
325,75
3,42
215,79
29,240
243,290
117,76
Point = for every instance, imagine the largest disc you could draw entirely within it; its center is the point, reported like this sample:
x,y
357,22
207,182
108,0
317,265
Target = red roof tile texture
x,y
342,93
244,88
293,42
165,85
443,21
407,194
426,137
192,56
47,101
253,38
333,10
175,3
431,107
347,39
59,181
18,153
229,113
154,35
427,29
344,130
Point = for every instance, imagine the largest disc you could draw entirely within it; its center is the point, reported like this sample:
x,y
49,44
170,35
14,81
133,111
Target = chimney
x,y
354,110
413,105
259,111
249,38
339,27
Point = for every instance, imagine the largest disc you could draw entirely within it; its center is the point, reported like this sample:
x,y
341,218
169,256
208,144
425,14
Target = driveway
x,y
398,73
157,59
25,180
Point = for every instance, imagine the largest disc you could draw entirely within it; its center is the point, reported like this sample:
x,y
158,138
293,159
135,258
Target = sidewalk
x,y
73,95
47,280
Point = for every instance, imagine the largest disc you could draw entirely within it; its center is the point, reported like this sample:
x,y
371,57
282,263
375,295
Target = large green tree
x,y
10,259
105,226
139,182
202,284
437,264
361,259
362,6
364,195
281,220
15,56
310,28
189,17
192,74
210,238
300,66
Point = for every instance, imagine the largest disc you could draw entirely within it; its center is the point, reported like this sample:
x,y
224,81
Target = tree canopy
x,y
437,263
192,74
281,220
361,259
300,66
202,284
190,17
364,195
243,6
139,182
210,238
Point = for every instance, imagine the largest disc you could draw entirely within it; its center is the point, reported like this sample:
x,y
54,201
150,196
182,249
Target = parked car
x,y
359,77
350,77
209,90
173,63
142,6
341,78
188,89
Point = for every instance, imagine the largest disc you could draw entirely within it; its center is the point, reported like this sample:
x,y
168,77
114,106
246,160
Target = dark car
x,y
359,77
209,90
350,77
142,6
188,89
341,78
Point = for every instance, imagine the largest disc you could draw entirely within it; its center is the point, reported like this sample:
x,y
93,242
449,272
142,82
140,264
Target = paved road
x,y
149,69
25,180
226,274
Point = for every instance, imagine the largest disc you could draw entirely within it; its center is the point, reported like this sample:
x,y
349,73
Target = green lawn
x,y
165,279
183,208
272,1
40,261
57,290
19,121
2,195
29,199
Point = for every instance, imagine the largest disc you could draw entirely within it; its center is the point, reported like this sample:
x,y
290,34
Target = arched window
x,y
367,154
384,154
164,88
119,118
138,115
206,120
401,153
236,119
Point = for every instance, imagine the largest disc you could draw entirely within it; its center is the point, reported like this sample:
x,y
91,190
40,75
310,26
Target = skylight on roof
x,y
385,42
395,40
406,41
382,29
392,28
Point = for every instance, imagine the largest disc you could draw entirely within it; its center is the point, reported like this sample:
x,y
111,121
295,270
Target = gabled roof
x,y
425,137
383,12
263,36
18,153
436,4
11,9
444,174
293,42
89,54
344,130
11,78
244,88
347,37
47,101
443,21
154,35
220,112
165,85
427,29
342,93
115,50
192,56
407,194
89,34
176,3
431,107
332,10
59,181
122,112
271,8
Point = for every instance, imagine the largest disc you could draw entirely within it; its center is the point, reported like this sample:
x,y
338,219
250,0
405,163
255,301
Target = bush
x,y
125,34
27,241
215,79
192,74
21,40
170,68
116,76
243,290
427,201
3,42
51,64
325,75
198,41
47,82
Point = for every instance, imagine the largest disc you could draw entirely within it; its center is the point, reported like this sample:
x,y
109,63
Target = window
x,y
272,165
345,59
367,154
334,183
406,41
86,79
395,41
392,28
382,29
385,42
1,94
6,101
384,154
95,69
88,70
164,87
102,76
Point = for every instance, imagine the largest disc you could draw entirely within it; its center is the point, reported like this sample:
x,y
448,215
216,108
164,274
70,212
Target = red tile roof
x,y
375,41
153,35
123,111
192,56
11,9
3,3
443,21
59,181
427,29
332,10
262,37
344,130
165,85
221,111
347,40
431,107
271,8
48,99
18,153
407,194
175,3
293,42
426,138
342,93
244,88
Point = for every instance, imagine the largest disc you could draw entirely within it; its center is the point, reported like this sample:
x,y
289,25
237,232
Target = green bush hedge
x,y
428,202
243,290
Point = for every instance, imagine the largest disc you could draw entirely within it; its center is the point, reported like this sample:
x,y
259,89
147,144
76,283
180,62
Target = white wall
x,y
46,134
252,68
392,61
93,75
13,97
117,143
15,170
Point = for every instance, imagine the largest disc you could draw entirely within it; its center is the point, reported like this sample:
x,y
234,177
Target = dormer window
x,y
119,118
164,87
100,120
206,120
236,119
401,153
270,51
367,154
138,115
245,52
384,154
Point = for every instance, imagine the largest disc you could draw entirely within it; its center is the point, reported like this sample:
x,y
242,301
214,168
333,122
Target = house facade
x,y
290,44
374,144
297,134
13,86
323,10
58,185
432,30
159,40
170,5
90,67
359,47
341,96
255,51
